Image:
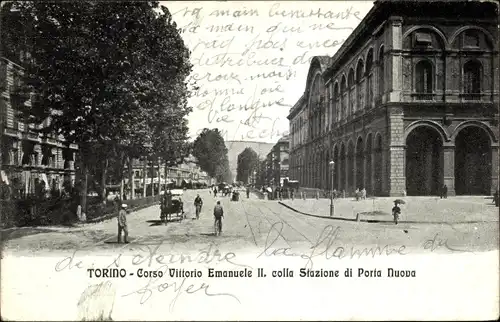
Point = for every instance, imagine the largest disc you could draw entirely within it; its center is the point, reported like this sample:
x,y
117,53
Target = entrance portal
x,y
424,170
472,162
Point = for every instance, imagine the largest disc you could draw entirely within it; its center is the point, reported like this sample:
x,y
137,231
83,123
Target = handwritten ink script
x,y
178,287
153,260
251,60
329,246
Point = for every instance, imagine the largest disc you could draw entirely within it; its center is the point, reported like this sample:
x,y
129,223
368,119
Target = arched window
x,y
369,77
381,74
336,102
352,98
472,79
423,81
344,98
360,70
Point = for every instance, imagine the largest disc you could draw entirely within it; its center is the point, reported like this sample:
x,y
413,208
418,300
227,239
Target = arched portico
x,y
342,172
473,161
360,171
350,168
368,164
377,189
424,162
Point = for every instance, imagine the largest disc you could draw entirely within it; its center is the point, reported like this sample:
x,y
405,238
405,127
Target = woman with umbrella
x,y
396,211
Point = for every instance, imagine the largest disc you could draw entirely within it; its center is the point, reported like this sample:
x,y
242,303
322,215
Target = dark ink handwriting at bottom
x,y
178,287
327,245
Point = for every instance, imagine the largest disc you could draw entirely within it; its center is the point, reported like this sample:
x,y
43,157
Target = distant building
x,y
147,173
277,162
408,103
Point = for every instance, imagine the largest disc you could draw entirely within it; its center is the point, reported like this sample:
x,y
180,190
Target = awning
x,y
4,177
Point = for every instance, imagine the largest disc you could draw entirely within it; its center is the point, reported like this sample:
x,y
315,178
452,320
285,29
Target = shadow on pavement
x,y
13,233
158,222
375,221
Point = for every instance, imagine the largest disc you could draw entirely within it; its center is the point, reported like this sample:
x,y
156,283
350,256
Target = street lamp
x,y
332,210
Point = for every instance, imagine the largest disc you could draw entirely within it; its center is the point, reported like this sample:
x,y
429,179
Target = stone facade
x,y
404,98
28,157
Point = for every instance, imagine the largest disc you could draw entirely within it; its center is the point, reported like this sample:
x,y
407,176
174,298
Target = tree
x,y
247,163
211,151
106,74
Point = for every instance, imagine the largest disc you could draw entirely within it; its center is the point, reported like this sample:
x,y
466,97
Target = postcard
x,y
249,160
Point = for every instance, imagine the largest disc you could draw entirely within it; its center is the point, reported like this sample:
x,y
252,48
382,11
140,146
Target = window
x,y
381,74
3,74
471,39
423,39
472,79
423,79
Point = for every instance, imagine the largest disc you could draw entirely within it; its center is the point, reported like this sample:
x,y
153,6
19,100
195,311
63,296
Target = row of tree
x,y
108,76
211,152
248,162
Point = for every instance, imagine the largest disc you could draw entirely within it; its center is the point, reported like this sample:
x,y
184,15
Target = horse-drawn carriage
x,y
171,205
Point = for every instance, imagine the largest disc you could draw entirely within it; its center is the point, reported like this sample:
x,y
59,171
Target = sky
x,y
251,59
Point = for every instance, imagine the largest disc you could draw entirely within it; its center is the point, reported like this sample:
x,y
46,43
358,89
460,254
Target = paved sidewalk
x,y
416,209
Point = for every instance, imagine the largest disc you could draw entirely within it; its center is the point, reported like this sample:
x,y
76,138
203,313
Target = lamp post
x,y
332,209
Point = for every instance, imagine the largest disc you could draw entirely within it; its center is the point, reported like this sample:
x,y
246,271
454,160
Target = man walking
x,y
122,224
218,214
198,203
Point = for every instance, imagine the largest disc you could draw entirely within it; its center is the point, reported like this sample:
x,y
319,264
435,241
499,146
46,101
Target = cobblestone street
x,y
466,223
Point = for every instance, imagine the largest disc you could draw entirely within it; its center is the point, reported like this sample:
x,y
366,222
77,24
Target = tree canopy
x,y
104,74
248,161
211,151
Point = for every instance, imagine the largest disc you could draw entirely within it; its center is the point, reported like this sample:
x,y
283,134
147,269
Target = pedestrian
x,y
396,212
218,215
122,224
198,203
248,192
363,194
357,194
445,191
215,192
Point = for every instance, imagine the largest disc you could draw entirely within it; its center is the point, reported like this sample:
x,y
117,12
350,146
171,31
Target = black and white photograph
x,y
249,160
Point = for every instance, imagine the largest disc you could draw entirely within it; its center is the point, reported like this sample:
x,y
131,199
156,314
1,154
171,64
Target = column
x,y
397,179
449,168
395,62
395,154
494,168
354,170
346,173
339,173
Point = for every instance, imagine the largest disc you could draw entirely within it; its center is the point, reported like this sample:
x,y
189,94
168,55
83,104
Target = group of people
x,y
360,194
198,204
218,212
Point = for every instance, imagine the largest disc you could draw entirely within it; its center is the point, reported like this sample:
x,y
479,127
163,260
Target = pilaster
x,y
396,153
395,63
